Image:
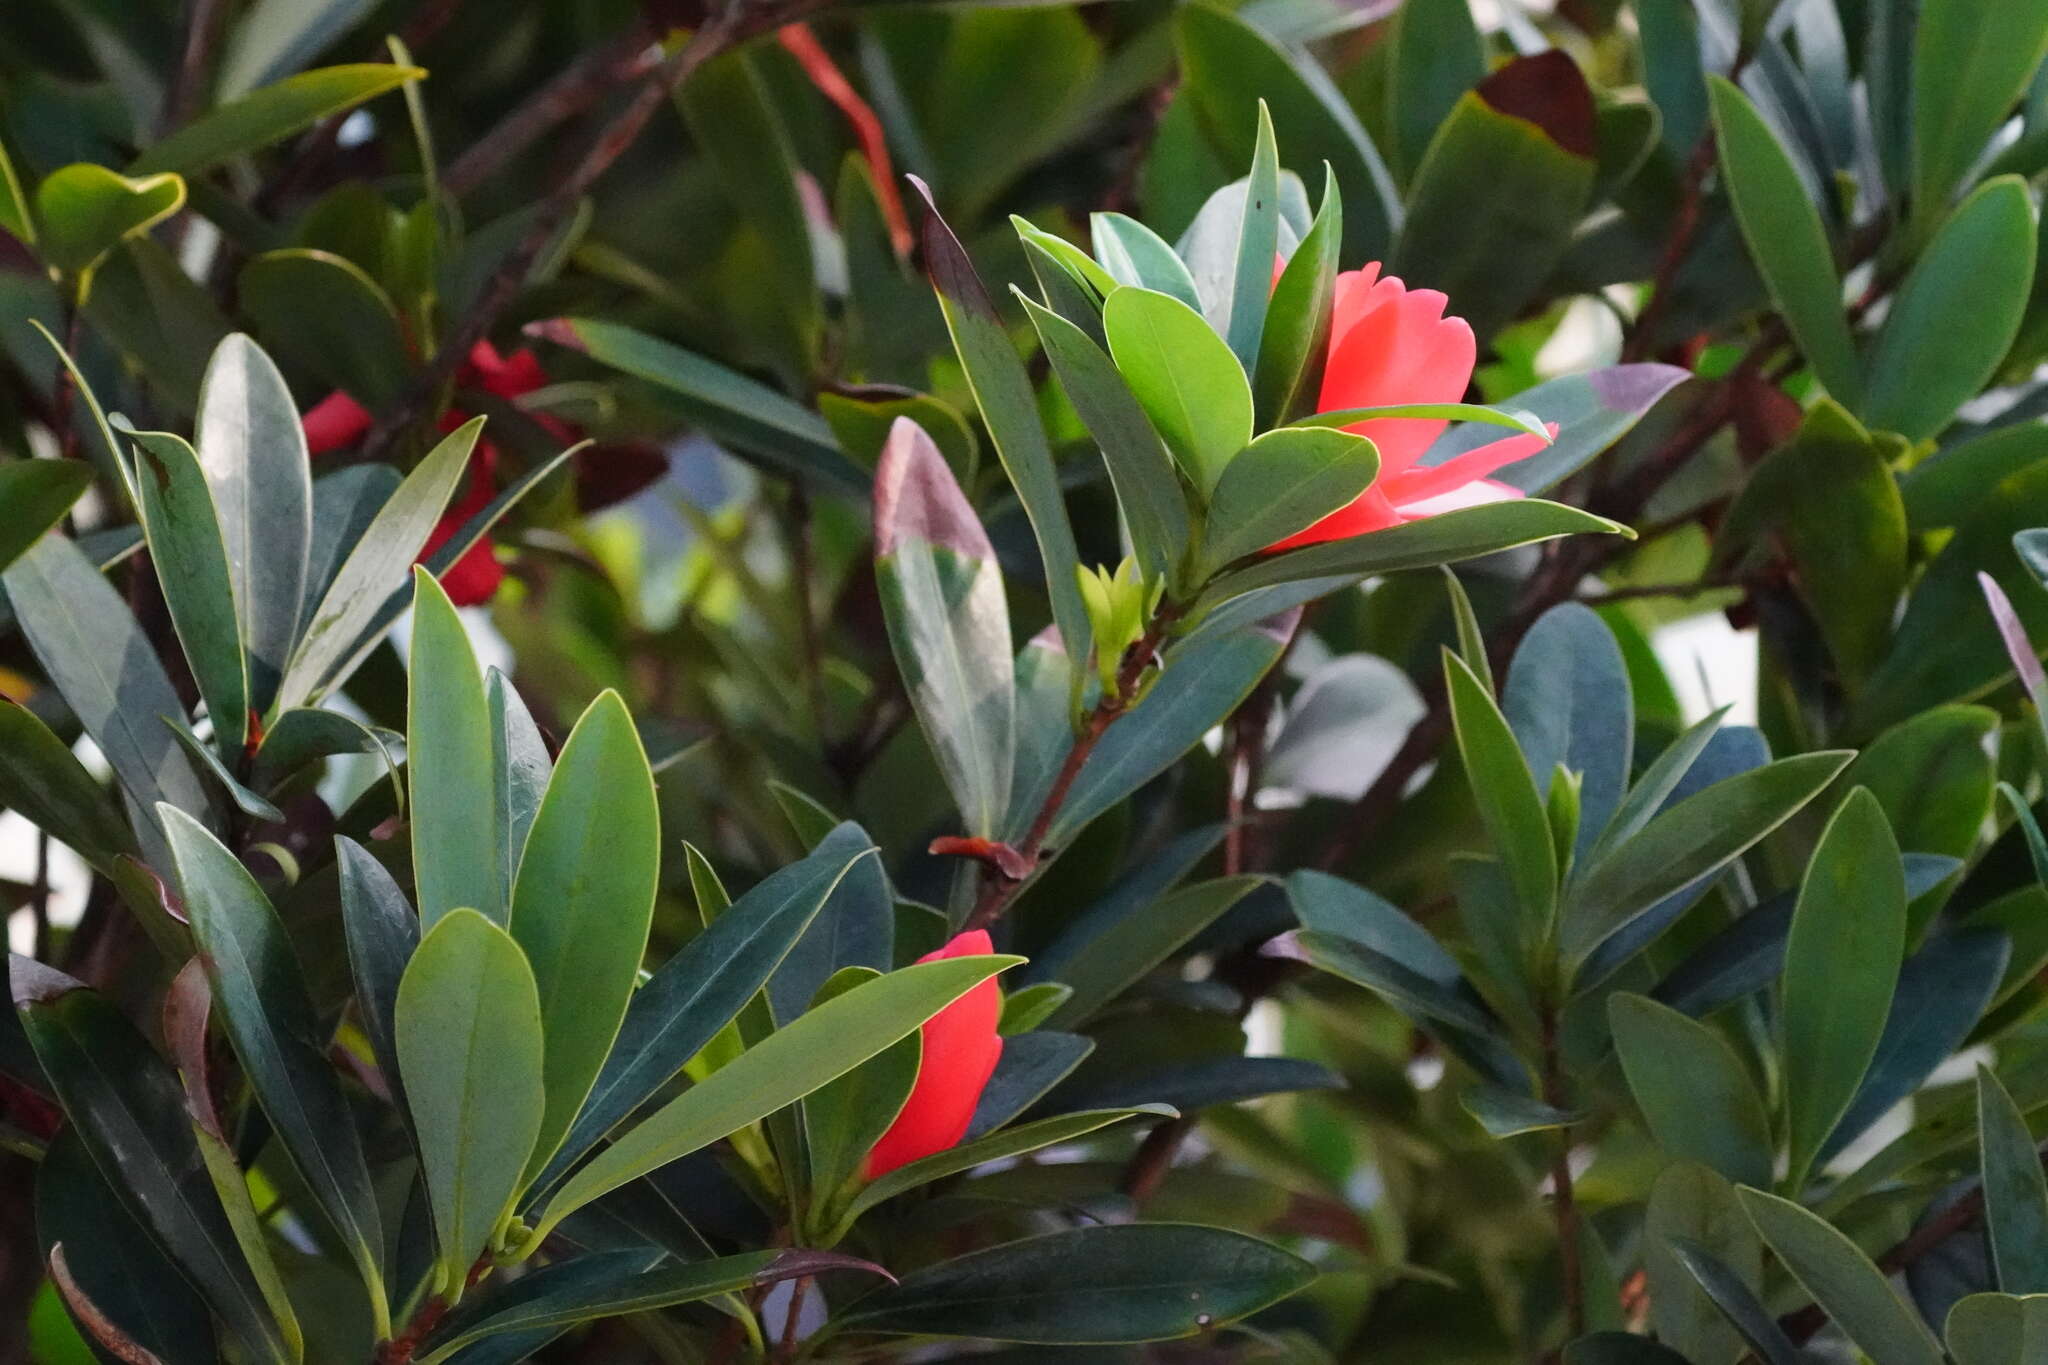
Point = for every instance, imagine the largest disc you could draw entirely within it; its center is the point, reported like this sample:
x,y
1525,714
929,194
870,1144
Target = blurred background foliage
x,y
1823,211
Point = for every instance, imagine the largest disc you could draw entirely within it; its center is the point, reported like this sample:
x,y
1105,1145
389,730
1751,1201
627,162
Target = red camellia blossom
x,y
339,420
961,1047
1391,344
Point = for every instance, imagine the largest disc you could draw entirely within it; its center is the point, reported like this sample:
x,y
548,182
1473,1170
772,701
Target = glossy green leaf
x,y
376,567
861,421
126,1106
783,1067
1133,946
1105,1284
468,1029
696,993
1500,189
1446,539
270,1019
1952,320
1998,1329
1843,1281
42,779
584,900
191,559
253,452
1297,329
1148,487
457,854
1567,701
84,211
1509,805
16,219
2015,1190
1689,840
1786,239
844,1118
1933,776
271,114
1970,64
1505,1113
94,653
1133,254
1694,1091
34,496
1689,1201
1283,482
245,799
1003,391
1184,376
1841,966
949,624
324,314
1242,322
382,931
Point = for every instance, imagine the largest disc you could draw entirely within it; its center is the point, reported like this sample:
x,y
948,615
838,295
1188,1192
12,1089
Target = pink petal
x,y
1415,484
1369,511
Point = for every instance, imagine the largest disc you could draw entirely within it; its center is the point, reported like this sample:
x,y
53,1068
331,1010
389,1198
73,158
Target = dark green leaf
x,y
1690,1203
255,120
1843,1281
324,313
1591,411
1734,1295
34,496
42,779
1127,950
1695,1092
1509,805
1297,335
2015,1190
1437,56
1568,702
382,931
1283,482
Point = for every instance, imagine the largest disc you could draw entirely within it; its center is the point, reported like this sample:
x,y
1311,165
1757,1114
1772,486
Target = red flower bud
x,y
961,1046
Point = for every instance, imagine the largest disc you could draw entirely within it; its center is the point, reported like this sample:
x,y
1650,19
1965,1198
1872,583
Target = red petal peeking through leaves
x,y
1391,344
961,1047
339,420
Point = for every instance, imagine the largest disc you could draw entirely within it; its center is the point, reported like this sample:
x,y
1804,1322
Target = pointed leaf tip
x,y
917,498
800,1261
35,983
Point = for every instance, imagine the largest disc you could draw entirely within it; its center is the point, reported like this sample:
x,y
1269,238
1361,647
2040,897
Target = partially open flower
x,y
1390,344
961,1047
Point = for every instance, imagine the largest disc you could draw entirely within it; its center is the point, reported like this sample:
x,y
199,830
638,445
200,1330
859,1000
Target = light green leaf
x,y
1185,378
271,114
34,496
457,854
1297,328
1508,804
1971,62
1998,1329
1134,254
85,211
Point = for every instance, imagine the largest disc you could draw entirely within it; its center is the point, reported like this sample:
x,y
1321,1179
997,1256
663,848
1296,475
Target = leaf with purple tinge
x,y
1592,412
942,592
2017,646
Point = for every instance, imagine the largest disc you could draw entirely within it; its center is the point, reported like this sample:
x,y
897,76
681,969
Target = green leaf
x,y
1842,1280
325,315
1737,1299
1125,1283
949,625
1945,489
1970,64
584,901
1787,240
520,769
1243,321
1441,412
191,562
376,568
1002,1146
1210,674
1003,390
457,854
1185,378
2015,1189
1691,1203
43,780
1828,501
1500,190
783,1067
861,422
468,1027
1283,482
1568,702
271,114
127,1108
1952,321
1148,488
1592,411
697,992
1934,777
1228,66
844,1118
1509,805
1133,946
1436,57
1506,1113
1297,329
253,452
1841,966
1698,1098
1446,539
245,800
34,496
382,932
1133,254
85,211
1693,838
751,418
1998,1329
270,1019
98,659
113,1261
15,217
610,1283
301,737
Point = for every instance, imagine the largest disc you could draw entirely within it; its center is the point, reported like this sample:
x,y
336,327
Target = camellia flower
x,y
339,420
1391,344
961,1047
